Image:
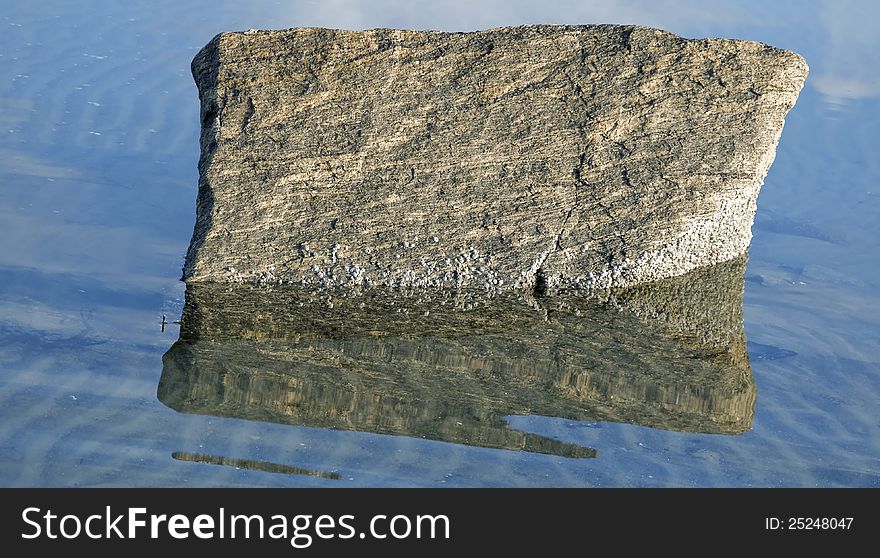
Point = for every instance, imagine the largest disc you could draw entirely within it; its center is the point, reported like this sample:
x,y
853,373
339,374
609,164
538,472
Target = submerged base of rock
x,y
526,157
451,368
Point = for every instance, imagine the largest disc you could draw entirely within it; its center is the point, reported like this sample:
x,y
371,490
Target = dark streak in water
x,y
778,224
759,351
252,464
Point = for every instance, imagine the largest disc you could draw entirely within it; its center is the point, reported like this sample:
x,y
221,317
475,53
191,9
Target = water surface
x,y
99,143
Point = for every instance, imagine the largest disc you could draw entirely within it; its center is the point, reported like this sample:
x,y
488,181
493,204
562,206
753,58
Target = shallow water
x,y
99,143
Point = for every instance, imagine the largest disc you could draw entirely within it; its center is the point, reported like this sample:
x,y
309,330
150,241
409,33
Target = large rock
x,y
450,365
526,157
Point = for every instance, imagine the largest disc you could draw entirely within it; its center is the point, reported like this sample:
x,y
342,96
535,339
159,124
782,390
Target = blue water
x,y
98,151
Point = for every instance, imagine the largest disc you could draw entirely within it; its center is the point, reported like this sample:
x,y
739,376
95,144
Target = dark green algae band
x,y
450,366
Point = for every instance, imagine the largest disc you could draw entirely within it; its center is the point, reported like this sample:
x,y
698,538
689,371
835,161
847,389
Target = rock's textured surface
x,y
527,157
450,368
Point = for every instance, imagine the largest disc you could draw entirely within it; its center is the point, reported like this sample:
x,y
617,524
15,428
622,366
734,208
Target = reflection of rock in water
x,y
252,464
450,366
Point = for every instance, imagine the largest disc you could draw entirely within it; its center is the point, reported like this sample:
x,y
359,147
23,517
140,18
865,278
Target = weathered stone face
x,y
528,157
